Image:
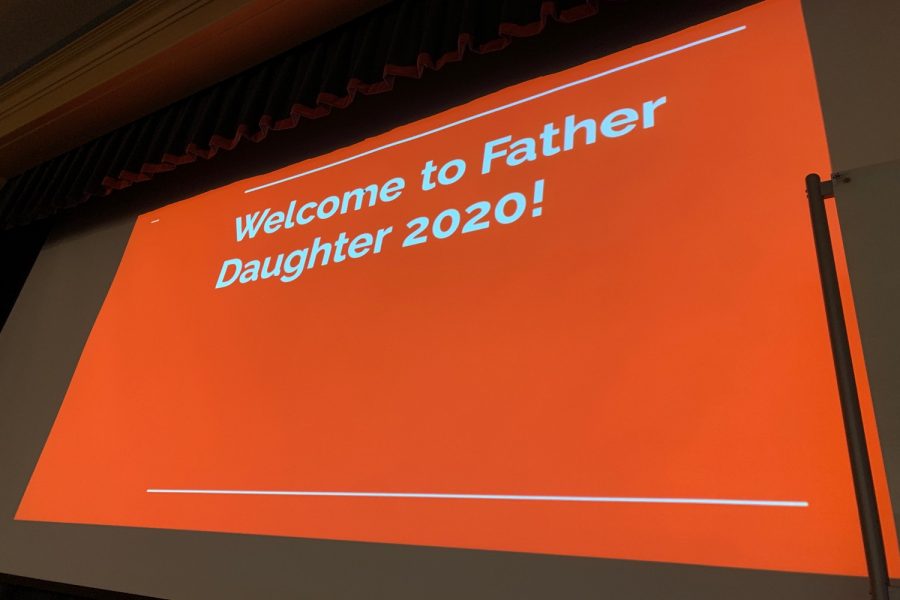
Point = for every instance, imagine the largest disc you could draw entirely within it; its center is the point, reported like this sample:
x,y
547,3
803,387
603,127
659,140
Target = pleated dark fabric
x,y
400,39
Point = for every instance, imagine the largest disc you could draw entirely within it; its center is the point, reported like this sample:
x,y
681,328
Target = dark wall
x,y
855,46
18,250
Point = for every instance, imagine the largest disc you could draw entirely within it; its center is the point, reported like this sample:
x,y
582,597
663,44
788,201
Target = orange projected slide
x,y
578,316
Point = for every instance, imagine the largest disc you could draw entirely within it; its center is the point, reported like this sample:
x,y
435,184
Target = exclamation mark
x,y
538,197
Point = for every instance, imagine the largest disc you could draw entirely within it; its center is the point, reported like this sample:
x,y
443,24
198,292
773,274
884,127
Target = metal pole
x,y
870,523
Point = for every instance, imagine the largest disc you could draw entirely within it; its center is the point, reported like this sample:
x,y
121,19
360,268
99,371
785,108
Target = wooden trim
x,y
151,54
139,31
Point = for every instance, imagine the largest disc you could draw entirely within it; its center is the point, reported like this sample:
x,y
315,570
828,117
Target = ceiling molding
x,y
147,27
153,53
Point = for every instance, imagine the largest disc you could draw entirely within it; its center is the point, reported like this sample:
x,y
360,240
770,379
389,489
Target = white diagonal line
x,y
553,90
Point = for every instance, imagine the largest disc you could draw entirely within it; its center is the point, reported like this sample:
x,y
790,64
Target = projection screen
x,y
543,321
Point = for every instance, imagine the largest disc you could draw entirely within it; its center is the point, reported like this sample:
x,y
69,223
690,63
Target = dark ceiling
x,y
31,30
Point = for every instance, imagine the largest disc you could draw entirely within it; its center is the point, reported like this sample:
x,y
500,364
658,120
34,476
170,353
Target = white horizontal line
x,y
596,499
503,107
154,221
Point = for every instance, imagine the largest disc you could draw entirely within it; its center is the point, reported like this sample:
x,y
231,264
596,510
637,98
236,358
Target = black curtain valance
x,y
402,38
